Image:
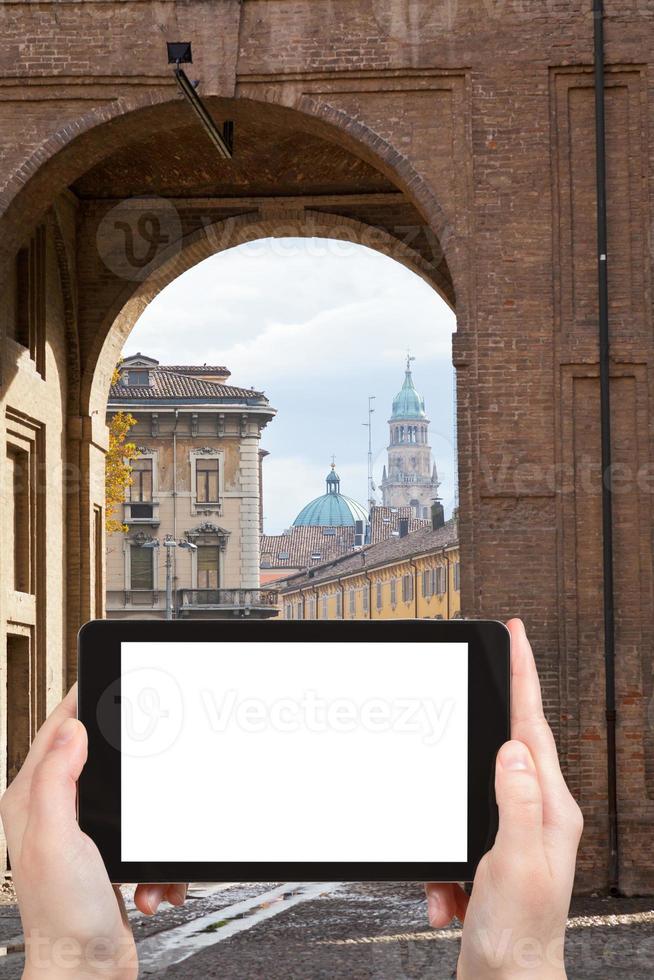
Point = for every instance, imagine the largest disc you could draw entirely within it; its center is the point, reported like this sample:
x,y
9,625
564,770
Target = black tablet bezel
x,y
99,790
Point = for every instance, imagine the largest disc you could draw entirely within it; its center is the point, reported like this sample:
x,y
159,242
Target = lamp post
x,y
179,52
169,543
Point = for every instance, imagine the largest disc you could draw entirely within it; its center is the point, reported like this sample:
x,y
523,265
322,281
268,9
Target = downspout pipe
x,y
447,583
367,575
605,422
415,587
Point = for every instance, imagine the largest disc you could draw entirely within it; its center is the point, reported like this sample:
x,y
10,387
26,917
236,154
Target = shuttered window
x,y
141,567
208,566
428,583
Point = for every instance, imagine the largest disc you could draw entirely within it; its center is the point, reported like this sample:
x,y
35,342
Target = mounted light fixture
x,y
179,52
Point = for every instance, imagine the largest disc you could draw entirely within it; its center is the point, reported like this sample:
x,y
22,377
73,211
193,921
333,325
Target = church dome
x,y
333,509
408,404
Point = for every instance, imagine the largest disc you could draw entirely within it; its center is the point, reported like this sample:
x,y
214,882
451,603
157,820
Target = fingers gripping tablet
x,y
300,749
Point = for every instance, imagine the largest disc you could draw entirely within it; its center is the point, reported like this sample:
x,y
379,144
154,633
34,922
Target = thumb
x,y
520,804
53,785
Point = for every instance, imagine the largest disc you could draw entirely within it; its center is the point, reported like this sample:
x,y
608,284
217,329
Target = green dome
x,y
408,404
333,509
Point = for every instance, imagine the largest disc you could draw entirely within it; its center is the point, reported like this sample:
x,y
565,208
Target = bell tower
x,y
411,479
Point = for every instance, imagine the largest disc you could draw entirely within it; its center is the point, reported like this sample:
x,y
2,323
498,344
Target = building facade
x,y
193,510
411,479
416,575
459,139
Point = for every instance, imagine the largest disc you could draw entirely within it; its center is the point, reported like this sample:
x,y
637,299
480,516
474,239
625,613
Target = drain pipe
x,y
605,416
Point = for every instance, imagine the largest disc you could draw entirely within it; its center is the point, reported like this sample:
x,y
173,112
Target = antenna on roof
x,y
371,485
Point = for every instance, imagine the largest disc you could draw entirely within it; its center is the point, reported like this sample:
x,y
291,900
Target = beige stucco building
x,y
193,510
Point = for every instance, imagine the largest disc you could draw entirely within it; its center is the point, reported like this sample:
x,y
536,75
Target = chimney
x,y
437,515
403,525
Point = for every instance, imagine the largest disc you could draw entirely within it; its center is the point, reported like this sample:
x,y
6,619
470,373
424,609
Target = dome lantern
x,y
333,509
333,480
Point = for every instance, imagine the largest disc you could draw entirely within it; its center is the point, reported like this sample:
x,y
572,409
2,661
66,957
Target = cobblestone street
x,y
353,930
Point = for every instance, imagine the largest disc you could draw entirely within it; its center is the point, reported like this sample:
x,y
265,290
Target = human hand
x,y
514,922
74,919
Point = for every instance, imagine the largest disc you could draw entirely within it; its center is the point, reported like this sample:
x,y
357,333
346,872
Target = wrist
x,y
66,958
79,972
537,973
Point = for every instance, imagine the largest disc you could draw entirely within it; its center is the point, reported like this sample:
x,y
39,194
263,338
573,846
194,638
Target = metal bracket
x,y
179,53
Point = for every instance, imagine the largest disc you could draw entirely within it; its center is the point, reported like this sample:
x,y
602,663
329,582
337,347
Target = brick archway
x,y
64,156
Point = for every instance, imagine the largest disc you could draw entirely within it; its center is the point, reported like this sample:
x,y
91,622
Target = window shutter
x,y
141,568
207,558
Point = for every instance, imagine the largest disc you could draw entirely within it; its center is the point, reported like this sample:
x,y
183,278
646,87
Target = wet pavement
x,y
353,930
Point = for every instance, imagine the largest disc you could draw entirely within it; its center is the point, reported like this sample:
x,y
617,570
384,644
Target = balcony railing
x,y
259,602
236,599
135,598
141,512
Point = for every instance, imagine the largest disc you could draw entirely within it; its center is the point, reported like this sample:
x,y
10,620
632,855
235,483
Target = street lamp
x,y
169,543
180,53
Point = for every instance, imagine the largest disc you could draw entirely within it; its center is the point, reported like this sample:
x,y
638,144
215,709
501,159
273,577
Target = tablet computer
x,y
311,750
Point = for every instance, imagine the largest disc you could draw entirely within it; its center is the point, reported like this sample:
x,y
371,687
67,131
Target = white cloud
x,y
319,326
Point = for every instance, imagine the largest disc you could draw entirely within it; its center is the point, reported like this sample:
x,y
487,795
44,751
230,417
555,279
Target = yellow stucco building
x,y
414,576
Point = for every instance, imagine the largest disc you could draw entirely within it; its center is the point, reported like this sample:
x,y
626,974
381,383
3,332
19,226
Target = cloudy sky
x,y
318,325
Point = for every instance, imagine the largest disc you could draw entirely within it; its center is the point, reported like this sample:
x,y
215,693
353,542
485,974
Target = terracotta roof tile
x,y
196,369
168,383
385,520
373,555
301,542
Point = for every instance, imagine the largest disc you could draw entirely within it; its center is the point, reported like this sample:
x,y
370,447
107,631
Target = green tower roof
x,y
408,404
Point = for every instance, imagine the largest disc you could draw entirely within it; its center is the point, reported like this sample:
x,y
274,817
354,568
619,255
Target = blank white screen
x,y
294,752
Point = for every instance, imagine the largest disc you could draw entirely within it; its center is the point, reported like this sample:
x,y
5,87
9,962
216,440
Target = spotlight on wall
x,y
179,52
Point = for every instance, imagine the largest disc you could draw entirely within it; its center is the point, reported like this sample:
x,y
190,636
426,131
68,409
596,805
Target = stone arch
x,y
83,142
121,316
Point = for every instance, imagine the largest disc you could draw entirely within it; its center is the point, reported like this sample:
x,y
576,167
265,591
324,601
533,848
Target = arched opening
x,y
266,311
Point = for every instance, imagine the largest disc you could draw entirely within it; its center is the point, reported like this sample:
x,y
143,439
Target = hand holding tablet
x,y
298,750
64,890
523,885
